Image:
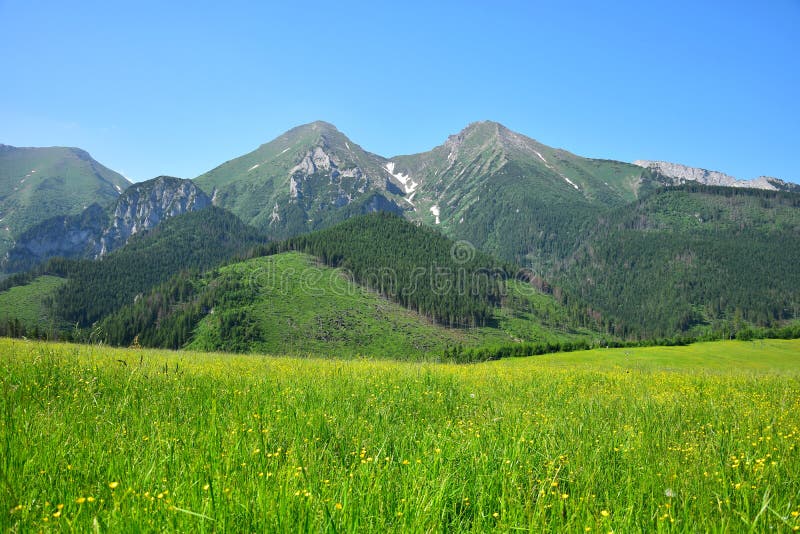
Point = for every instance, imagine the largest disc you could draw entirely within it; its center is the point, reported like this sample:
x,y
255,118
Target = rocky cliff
x,y
97,231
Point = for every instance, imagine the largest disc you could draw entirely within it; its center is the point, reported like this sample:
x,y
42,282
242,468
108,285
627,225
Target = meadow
x,y
702,438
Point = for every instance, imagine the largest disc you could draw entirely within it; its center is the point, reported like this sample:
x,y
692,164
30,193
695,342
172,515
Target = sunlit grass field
x,y
692,439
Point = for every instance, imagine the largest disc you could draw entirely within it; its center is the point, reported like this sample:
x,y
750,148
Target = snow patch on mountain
x,y
435,212
547,164
409,185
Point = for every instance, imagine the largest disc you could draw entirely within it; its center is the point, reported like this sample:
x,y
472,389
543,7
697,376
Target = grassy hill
x,y
31,304
702,438
375,284
39,183
290,303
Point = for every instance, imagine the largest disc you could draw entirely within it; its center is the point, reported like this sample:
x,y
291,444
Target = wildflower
x,y
113,485
338,506
604,513
565,496
80,500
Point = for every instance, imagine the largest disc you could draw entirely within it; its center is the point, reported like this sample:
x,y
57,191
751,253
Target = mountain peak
x,y
316,126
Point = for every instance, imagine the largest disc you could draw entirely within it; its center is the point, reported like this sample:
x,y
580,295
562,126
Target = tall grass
x,y
644,440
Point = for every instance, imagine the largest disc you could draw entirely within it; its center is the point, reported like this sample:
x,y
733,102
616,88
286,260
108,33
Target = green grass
x,y
690,439
28,303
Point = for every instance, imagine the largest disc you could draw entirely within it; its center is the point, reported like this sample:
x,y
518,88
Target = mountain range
x,y
643,249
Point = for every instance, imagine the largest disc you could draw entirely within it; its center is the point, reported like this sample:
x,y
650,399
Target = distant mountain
x,y
511,195
39,183
310,177
503,191
680,174
97,231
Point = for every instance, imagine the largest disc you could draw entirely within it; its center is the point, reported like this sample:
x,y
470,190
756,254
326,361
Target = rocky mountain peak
x,y
143,205
97,231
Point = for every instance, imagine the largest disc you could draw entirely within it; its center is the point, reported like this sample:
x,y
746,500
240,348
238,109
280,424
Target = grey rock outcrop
x,y
142,206
680,174
96,231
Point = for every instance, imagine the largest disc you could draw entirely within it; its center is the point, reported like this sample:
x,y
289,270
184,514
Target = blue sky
x,y
178,88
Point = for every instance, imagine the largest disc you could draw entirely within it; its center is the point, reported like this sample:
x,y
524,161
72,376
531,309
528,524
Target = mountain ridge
x,y
98,230
37,183
680,174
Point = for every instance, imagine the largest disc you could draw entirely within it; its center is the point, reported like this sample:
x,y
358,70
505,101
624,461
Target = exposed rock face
x,y
680,174
308,178
144,205
96,232
67,236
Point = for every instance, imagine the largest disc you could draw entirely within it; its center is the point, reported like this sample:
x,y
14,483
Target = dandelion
x,y
604,513
80,500
338,506
113,485
565,496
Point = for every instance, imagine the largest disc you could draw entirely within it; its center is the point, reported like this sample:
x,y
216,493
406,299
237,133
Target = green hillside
x,y
194,241
29,306
374,285
287,303
693,258
39,183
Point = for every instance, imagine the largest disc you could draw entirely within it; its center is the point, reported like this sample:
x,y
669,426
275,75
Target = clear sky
x,y
178,88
